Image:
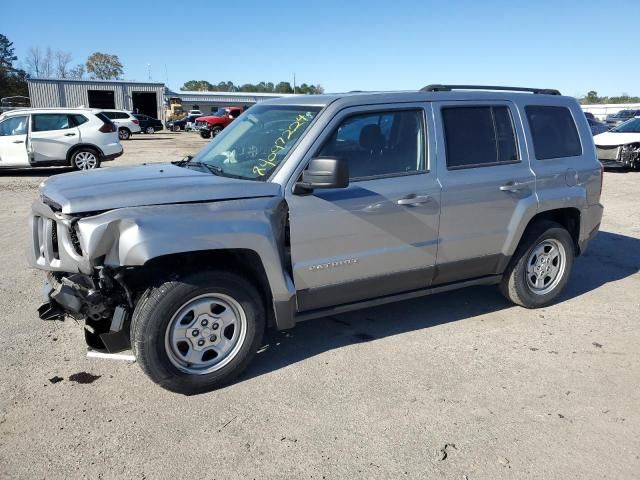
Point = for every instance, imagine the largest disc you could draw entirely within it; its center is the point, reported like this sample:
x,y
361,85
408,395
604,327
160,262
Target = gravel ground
x,y
458,385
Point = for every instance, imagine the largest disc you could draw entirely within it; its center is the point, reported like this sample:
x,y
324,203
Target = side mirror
x,y
325,172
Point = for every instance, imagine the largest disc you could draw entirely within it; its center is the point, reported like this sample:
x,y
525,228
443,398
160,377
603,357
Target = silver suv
x,y
316,205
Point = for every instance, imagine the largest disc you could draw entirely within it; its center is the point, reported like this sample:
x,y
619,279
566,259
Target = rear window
x,y
479,136
554,132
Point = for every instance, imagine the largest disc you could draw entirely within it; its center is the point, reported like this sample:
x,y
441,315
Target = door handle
x,y
514,186
414,200
69,134
18,141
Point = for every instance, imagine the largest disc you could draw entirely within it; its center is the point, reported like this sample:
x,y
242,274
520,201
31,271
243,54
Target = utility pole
x,y
294,82
149,70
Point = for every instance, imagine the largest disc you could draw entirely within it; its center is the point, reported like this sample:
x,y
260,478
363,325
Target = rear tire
x,y
205,133
85,158
176,128
197,333
541,266
215,131
124,134
149,130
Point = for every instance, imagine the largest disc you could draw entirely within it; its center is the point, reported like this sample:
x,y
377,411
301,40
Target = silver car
x,y
313,205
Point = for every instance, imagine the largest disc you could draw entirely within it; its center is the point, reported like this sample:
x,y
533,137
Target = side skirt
x,y
323,312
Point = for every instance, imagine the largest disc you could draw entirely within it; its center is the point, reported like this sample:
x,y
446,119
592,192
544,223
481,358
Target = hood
x,y
156,184
204,118
612,139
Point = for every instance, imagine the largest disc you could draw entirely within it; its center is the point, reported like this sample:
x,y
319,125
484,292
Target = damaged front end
x,y
630,156
74,285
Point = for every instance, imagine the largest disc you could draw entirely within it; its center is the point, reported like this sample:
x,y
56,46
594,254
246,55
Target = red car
x,y
212,125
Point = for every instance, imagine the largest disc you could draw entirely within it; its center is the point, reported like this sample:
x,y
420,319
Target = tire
x,y
185,319
85,158
541,266
176,128
205,133
215,131
149,130
124,134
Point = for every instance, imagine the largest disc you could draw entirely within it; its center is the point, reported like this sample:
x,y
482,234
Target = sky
x,y
574,46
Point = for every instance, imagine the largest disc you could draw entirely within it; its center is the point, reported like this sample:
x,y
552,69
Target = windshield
x,y
630,126
257,142
219,113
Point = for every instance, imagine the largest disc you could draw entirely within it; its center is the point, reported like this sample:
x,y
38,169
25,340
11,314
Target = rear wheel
x,y
176,128
215,131
149,130
198,333
124,134
85,159
541,266
205,133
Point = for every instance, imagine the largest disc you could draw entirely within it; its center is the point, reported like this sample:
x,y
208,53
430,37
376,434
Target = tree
x,y
77,72
34,61
283,87
592,97
104,66
13,81
63,59
47,63
197,86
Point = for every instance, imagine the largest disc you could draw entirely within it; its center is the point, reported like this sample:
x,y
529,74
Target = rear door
x,y
487,184
13,141
52,135
379,235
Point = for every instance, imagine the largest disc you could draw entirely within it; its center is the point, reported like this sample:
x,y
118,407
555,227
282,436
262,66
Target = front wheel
x,y
541,266
197,333
205,133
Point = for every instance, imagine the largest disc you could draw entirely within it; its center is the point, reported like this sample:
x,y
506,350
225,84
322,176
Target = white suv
x,y
78,137
125,121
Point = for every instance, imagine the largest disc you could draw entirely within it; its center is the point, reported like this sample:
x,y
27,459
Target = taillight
x,y
107,128
137,122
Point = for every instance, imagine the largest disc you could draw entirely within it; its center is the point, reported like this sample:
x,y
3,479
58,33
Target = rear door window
x,y
478,136
553,131
44,122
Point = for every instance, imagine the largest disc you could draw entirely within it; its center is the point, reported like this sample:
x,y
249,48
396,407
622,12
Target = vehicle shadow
x,y
610,257
34,172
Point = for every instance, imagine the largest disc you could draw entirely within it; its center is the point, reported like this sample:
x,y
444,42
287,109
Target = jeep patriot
x,y
307,206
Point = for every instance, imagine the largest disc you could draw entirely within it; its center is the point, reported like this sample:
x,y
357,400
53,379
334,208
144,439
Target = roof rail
x,y
448,88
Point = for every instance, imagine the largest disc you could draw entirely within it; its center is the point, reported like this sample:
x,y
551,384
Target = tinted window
x,y
43,122
13,126
78,119
381,143
109,115
554,132
479,136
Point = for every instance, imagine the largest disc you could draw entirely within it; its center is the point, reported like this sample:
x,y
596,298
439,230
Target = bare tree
x,y
77,72
34,61
63,59
47,63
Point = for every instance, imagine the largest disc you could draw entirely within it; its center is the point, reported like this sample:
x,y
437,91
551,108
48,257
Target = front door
x,y
13,141
487,184
379,235
52,135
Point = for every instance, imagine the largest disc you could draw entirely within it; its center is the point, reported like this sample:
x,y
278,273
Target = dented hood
x,y
612,139
156,184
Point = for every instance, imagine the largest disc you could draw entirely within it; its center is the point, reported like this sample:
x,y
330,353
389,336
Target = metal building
x,y
209,102
139,97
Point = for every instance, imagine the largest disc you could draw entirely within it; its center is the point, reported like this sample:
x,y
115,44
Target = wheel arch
x,y
80,146
568,217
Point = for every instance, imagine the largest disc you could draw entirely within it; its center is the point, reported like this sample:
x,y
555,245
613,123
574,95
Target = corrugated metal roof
x,y
92,81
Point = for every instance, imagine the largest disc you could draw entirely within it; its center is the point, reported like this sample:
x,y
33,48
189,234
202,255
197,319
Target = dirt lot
x,y
460,385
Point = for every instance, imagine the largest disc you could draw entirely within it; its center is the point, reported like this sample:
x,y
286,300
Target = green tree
x,y
13,81
197,86
283,87
104,66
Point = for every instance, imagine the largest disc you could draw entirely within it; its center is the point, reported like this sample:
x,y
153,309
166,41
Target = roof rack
x,y
448,88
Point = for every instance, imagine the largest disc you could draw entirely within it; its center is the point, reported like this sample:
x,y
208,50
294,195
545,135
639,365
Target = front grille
x,y
201,124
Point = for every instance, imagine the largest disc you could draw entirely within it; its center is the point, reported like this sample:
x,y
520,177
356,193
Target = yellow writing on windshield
x,y
270,162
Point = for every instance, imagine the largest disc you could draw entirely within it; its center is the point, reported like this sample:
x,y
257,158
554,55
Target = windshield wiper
x,y
212,168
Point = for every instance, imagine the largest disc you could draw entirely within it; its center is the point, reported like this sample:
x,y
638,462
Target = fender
x,y
130,237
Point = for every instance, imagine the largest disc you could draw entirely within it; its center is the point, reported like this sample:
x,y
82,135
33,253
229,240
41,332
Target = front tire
x,y
149,130
124,134
541,266
85,159
205,133
197,333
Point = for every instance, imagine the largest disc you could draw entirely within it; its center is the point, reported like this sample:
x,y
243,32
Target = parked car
x,y
148,124
621,144
195,112
315,205
181,124
590,116
620,117
212,125
77,137
596,126
127,124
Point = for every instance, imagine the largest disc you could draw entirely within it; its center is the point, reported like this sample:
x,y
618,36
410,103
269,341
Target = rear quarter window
x,y
553,131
